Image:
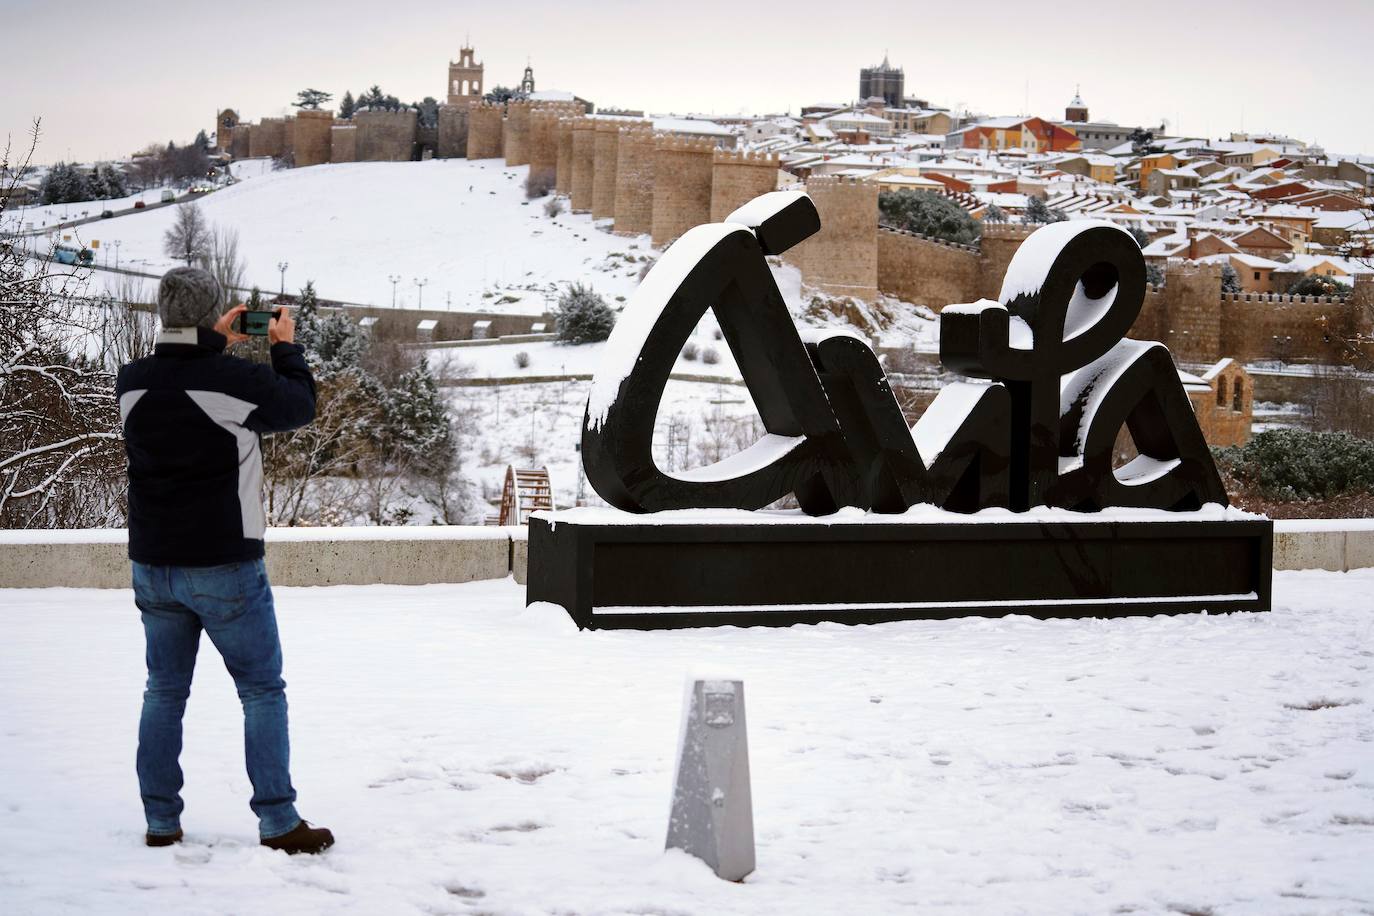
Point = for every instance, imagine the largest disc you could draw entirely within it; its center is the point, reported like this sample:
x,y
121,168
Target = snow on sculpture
x,y
901,522
1041,431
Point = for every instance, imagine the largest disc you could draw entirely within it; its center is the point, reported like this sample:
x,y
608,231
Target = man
x,y
192,420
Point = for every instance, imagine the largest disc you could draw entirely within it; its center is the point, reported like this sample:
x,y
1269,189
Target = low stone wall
x,y
295,556
446,554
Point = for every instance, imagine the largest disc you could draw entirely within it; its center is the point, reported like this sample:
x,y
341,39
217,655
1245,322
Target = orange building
x,y
1032,134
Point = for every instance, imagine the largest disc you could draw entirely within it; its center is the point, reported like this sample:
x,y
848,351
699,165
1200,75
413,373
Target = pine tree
x,y
1230,280
311,99
928,214
583,316
347,106
202,142
418,421
1037,211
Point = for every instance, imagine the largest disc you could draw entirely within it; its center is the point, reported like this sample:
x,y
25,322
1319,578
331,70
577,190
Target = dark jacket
x,y
192,420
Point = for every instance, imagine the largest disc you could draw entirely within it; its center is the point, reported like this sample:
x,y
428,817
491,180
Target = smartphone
x,y
254,324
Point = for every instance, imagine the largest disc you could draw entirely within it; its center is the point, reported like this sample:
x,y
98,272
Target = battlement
x,y
582,122
931,239
825,183
306,114
1283,299
486,126
750,158
1007,231
484,105
681,144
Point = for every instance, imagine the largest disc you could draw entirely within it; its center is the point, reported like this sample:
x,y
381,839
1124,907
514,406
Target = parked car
x,y
70,254
139,205
106,214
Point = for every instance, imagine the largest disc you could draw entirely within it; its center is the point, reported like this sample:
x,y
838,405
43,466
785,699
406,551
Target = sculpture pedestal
x,y
611,570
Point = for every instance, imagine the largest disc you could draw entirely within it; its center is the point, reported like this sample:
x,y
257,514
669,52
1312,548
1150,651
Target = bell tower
x,y
465,78
527,82
1076,112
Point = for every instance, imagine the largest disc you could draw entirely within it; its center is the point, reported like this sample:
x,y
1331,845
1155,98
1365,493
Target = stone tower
x,y
465,79
1077,112
883,81
527,81
225,122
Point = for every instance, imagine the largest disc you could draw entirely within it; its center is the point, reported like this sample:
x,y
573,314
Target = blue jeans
x,y
232,603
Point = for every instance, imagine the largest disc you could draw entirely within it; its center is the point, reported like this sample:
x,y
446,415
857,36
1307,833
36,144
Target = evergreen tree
x,y
1153,275
927,214
583,316
501,94
65,184
428,111
202,142
311,99
1318,286
255,303
371,99
1037,211
417,420
1230,280
1142,238
994,214
1142,141
347,106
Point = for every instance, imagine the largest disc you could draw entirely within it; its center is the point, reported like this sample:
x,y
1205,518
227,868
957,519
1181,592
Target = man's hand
x,y
225,325
283,329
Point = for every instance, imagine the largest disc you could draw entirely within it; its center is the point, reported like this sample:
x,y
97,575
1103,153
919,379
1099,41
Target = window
x,y
1238,401
1221,391
1257,275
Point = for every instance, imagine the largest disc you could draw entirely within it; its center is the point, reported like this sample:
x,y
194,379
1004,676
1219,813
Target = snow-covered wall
x,y
443,554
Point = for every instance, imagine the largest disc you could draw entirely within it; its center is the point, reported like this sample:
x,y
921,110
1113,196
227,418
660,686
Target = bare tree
x,y
129,322
221,260
189,237
61,464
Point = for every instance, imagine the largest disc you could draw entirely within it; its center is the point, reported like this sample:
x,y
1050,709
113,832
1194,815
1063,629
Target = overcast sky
x,y
108,78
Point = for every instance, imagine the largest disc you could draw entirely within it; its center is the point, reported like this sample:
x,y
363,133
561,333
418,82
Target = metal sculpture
x,y
1060,381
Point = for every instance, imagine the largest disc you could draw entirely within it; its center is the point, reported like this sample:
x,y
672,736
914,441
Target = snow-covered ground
x,y
39,216
464,226
475,757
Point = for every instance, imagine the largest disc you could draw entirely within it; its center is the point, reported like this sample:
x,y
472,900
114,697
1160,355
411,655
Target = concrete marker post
x,y
712,814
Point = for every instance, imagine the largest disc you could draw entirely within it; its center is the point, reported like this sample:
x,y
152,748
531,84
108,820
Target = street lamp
x,y
117,243
281,266
394,280
420,285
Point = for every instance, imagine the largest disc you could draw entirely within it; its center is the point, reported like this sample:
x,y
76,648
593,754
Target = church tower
x,y
527,83
1077,112
465,79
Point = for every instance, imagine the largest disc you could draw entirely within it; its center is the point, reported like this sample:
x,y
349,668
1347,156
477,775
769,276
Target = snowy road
x,y
472,757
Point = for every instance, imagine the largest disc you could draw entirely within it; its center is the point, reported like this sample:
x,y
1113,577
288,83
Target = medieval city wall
x,y
516,133
343,142
484,131
682,186
926,271
564,167
311,139
583,165
998,244
737,178
605,162
267,138
453,132
386,136
543,146
634,181
240,144
841,259
288,139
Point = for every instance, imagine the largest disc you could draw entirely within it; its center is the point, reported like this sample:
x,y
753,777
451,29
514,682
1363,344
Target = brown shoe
x,y
162,839
301,838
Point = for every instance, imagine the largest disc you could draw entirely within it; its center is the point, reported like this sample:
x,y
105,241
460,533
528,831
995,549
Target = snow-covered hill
x,y
464,226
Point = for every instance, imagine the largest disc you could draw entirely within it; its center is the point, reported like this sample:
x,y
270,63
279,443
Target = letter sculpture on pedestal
x,y
1037,435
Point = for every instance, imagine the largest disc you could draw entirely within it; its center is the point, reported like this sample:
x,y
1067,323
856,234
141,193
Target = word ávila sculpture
x,y
891,522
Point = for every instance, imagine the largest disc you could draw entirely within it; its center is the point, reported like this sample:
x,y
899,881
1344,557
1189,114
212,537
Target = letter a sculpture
x,y
1034,438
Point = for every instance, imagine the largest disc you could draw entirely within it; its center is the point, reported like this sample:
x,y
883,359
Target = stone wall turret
x,y
484,130
563,178
583,164
634,180
311,137
841,259
603,187
453,132
343,142
682,186
386,136
737,178
516,133
267,138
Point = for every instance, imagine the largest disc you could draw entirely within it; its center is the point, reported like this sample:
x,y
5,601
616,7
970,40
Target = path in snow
x,y
473,757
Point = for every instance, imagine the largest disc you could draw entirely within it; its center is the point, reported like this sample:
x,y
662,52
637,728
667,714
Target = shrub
x,y
539,183
583,316
709,356
927,214
1230,280
1153,275
1317,286
1289,464
522,360
689,352
553,206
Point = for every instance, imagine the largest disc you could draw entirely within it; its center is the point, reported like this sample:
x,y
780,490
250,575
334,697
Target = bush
x,y
539,183
929,214
1230,280
1290,464
553,206
583,316
689,352
1153,275
522,360
709,356
1317,286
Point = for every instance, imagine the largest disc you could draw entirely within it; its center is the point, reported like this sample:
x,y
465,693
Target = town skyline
x,y
92,110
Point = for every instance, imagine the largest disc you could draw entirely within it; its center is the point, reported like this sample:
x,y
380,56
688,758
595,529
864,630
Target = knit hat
x,y
187,297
